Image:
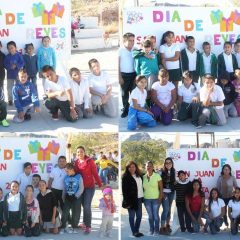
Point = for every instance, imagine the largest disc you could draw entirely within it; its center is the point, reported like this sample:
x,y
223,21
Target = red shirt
x,y
88,170
195,203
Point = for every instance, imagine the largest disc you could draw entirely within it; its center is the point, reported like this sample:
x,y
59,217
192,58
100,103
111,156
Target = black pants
x,y
3,110
183,216
58,195
35,231
234,225
127,87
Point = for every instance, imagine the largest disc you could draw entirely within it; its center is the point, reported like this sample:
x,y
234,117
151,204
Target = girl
x,y
48,209
15,210
137,113
170,55
152,186
188,99
236,84
3,229
215,210
132,189
234,211
2,70
164,96
195,204
211,97
168,181
32,227
237,51
225,185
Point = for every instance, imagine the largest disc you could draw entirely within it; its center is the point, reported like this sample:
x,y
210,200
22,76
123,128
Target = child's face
x,y
147,49
227,49
35,181
30,50
214,195
224,81
163,79
29,192
108,196
237,194
168,164
80,153
61,162
14,188
95,68
207,49
237,73
50,75
153,41
191,43
11,49
69,172
42,186
182,177
149,167
129,43
142,83
76,76
132,169
187,81
23,77
237,48
209,83
46,42
196,186
1,195
169,38
28,170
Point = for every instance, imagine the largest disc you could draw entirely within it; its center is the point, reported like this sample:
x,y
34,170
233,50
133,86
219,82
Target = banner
x,y
29,21
42,153
206,164
206,24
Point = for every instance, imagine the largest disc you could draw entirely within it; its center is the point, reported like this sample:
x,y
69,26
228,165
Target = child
x,y
234,211
227,61
237,51
2,70
211,97
138,114
108,207
56,180
30,60
195,204
48,209
170,55
127,72
59,95
32,226
215,210
73,189
36,178
13,62
3,229
81,94
3,109
101,90
208,61
188,99
25,98
46,55
236,84
15,210
25,178
230,95
190,59
164,96
181,187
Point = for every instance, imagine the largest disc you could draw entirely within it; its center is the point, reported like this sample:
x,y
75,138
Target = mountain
x,y
139,137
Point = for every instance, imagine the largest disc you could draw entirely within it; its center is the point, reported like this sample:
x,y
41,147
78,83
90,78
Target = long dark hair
x,y
172,168
163,41
234,199
211,198
187,74
127,173
229,167
190,192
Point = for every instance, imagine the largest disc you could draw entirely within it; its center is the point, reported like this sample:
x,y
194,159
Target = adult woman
x,y
87,168
226,184
132,189
152,185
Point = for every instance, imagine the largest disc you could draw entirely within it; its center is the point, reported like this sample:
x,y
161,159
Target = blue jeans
x,y
135,224
103,173
214,224
166,204
86,201
152,206
196,225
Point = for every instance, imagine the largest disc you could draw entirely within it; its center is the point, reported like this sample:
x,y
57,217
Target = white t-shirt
x,y
164,92
139,96
192,59
238,58
235,208
126,60
169,52
13,202
58,176
36,191
216,96
216,207
81,92
61,85
139,186
99,83
228,62
207,63
188,93
24,180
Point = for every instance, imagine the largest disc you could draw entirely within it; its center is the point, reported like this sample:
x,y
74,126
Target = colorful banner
x,y
42,153
205,24
30,20
206,164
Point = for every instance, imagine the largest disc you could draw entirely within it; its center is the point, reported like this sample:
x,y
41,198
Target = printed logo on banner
x,y
134,17
175,156
236,156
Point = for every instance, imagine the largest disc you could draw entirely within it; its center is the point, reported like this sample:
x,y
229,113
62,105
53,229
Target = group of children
x,y
149,78
75,98
34,205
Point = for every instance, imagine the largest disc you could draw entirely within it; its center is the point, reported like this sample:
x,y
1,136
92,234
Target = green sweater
x,y
222,65
214,64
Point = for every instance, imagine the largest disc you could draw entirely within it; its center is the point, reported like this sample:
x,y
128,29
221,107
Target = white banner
x,y
28,21
206,164
205,24
42,153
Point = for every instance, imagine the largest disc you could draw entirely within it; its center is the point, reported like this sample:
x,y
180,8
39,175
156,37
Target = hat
x,y
107,191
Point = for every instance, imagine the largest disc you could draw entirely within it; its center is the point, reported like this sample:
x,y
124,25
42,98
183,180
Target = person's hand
x,y
104,99
195,99
21,115
73,113
121,81
60,93
166,109
53,221
37,109
210,90
4,223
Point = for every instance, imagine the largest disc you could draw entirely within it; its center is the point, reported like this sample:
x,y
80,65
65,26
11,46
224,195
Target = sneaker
x,y
164,231
87,230
27,116
124,113
74,231
55,116
169,228
190,230
82,226
198,126
109,235
156,234
138,234
5,123
150,233
205,231
62,231
10,102
68,230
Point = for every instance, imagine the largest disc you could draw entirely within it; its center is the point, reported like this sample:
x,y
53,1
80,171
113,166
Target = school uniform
x,y
2,69
3,105
23,181
164,96
190,61
208,64
235,206
135,116
237,100
238,59
30,62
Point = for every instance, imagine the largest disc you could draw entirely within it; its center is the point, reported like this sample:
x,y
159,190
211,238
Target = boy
x,y
181,188
73,188
237,51
36,178
230,95
190,58
3,109
25,98
25,178
13,62
127,72
81,94
56,180
227,61
59,95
